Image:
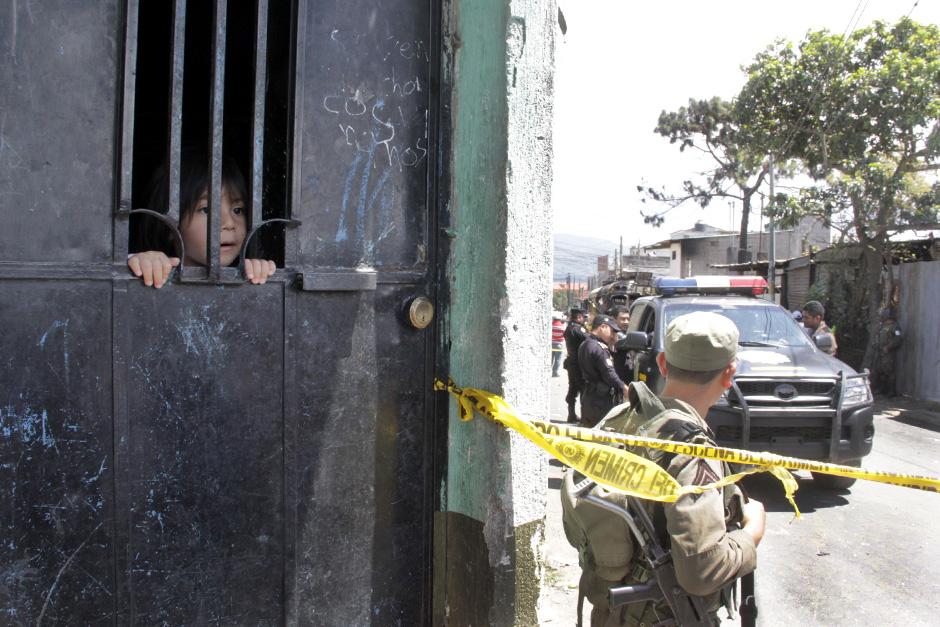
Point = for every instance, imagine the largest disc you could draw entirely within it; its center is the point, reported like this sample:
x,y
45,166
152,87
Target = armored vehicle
x,y
619,291
788,396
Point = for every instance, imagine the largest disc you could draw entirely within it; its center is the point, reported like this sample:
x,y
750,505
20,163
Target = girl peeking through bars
x,y
153,246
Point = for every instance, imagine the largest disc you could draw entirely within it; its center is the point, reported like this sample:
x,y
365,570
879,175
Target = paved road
x,y
866,556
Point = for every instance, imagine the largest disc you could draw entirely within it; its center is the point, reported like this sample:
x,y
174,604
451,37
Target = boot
x,y
572,416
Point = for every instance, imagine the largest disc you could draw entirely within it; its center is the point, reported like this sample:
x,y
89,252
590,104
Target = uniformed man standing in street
x,y
623,365
603,389
813,319
889,340
712,536
575,334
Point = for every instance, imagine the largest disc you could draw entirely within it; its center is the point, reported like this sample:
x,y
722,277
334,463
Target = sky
x,y
622,62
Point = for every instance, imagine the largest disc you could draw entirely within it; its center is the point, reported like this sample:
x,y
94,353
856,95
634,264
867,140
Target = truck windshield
x,y
759,325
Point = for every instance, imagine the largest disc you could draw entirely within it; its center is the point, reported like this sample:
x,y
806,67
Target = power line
x,y
845,31
860,7
856,17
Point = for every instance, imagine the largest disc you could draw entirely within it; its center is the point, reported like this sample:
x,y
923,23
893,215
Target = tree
x,y
862,113
709,127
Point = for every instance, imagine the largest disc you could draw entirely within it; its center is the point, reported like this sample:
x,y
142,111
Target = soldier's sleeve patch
x,y
610,362
704,474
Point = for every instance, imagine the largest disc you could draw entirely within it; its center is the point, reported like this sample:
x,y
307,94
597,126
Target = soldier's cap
x,y
701,341
601,319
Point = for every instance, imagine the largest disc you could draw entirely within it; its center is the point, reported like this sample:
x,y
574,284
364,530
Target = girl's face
x,y
234,229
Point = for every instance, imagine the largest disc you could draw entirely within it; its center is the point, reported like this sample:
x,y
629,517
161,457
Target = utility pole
x,y
771,243
568,291
620,260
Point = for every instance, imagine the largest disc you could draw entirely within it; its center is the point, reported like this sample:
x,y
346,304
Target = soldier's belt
x,y
588,451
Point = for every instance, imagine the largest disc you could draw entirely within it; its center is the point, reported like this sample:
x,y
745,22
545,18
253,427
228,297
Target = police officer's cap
x,y
576,311
701,341
599,320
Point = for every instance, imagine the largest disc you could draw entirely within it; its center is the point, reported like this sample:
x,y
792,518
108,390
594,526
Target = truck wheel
x,y
835,482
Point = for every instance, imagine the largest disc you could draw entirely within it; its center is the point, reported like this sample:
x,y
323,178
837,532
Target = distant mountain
x,y
577,255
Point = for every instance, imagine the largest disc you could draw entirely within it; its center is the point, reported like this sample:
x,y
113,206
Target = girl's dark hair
x,y
149,233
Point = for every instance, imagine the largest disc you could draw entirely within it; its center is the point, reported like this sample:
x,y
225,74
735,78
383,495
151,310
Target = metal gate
x,y
214,452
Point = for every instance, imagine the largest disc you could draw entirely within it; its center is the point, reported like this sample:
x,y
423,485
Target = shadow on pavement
x,y
909,411
914,418
810,497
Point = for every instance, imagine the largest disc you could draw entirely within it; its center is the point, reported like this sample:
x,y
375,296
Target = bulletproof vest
x,y
606,548
574,338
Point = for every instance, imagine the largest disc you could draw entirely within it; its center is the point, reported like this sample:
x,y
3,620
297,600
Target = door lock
x,y
420,312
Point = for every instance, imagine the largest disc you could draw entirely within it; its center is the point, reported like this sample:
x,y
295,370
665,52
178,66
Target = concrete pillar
x,y
499,63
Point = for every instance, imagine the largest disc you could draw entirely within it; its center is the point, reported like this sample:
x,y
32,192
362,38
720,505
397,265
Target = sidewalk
x,y
558,601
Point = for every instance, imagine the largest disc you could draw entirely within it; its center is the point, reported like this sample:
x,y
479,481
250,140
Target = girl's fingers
x,y
258,270
167,269
153,267
158,274
146,269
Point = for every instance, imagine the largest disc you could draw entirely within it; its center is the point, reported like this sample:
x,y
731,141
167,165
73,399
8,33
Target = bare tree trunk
x,y
745,216
874,282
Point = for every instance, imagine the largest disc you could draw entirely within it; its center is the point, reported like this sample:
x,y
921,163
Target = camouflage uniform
x,y
709,549
889,340
823,329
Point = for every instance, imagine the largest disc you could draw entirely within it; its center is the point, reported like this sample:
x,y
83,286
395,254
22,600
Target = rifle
x,y
688,610
748,608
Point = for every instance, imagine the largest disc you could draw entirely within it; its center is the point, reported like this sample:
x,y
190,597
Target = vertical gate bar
x,y
214,229
125,181
176,112
291,429
433,435
298,19
298,47
257,145
120,343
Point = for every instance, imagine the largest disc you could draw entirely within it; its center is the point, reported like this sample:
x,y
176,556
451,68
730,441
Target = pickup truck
x,y
788,396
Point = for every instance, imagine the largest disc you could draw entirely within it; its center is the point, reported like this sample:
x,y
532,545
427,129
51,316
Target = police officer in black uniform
x,y
575,334
623,364
603,389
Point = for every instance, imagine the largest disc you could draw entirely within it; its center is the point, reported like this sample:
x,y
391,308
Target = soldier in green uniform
x,y
889,340
713,537
814,320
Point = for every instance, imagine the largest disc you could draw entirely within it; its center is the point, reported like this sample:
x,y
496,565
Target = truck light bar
x,y
750,285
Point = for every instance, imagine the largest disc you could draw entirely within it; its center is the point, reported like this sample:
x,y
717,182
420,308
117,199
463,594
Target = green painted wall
x,y
488,538
478,215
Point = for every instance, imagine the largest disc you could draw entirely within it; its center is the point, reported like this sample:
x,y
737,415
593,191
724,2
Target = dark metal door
x,y
214,452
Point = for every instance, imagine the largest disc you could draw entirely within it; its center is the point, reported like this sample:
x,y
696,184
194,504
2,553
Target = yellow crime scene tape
x,y
588,451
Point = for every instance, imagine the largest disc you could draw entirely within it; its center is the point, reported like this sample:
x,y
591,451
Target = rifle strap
x,y
581,596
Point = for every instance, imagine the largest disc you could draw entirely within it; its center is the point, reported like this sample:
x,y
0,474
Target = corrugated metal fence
x,y
919,315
